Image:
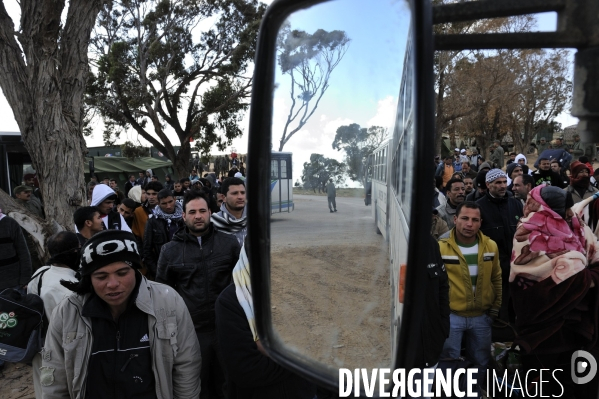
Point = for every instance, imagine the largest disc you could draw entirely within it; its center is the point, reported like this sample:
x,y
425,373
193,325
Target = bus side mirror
x,y
337,84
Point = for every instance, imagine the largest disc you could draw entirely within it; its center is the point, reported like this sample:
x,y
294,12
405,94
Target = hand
x,y
493,313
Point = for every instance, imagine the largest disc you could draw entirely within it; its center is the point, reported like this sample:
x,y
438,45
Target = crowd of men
x,y
517,265
181,327
520,262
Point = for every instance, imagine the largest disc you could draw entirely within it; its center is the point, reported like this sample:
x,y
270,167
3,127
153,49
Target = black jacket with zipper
x,y
435,323
199,272
155,236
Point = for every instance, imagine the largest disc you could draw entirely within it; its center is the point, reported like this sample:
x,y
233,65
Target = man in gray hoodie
x,y
104,197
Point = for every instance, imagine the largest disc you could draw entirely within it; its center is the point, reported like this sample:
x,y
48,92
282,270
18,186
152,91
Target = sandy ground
x,y
332,303
17,382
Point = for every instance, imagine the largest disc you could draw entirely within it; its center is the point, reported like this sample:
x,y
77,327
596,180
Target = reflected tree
x,y
357,142
309,61
319,170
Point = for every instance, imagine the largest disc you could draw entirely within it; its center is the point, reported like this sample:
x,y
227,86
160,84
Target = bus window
x,y
283,169
274,169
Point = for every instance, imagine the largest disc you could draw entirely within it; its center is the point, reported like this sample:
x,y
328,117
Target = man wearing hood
x,y
580,182
232,218
63,248
500,214
554,267
521,160
198,263
484,167
147,178
104,197
545,176
160,228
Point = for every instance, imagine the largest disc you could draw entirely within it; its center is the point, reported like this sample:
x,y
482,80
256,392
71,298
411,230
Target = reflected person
x,y
251,373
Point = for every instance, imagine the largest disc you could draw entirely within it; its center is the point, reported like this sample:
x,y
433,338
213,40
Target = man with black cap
x,y
119,335
480,188
500,214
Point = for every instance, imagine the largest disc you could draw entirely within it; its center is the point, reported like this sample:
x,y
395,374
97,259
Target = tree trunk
x,y
181,161
35,226
44,85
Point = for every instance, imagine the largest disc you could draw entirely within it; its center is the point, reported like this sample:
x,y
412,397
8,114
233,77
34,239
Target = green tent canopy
x,y
119,168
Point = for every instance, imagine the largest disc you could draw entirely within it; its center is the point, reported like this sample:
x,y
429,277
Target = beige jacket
x,y
173,344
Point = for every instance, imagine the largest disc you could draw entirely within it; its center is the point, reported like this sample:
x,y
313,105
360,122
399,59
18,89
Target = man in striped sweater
x,y
472,263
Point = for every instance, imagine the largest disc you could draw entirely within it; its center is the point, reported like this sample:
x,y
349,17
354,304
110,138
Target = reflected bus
x,y
281,182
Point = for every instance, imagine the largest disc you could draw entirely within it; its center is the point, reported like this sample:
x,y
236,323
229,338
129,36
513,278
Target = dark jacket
x,y
128,186
435,325
156,235
120,351
500,219
15,261
199,273
251,375
168,184
548,177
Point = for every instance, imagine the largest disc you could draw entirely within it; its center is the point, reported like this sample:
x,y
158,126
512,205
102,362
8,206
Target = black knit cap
x,y
106,247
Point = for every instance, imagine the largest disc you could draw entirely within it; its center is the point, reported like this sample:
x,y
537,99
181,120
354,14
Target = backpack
x,y
21,325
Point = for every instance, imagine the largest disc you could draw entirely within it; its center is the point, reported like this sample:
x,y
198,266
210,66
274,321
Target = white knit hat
x,y
495,174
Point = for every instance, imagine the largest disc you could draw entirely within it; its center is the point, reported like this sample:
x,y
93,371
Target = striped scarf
x,y
227,223
243,289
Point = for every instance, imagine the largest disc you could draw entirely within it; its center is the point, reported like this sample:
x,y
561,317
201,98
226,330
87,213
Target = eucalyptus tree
x,y
308,60
174,68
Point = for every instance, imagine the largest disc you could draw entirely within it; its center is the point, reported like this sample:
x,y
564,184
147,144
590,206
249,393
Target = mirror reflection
x,y
338,74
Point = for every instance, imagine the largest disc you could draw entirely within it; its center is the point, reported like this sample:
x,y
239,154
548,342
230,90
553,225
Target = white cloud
x,y
385,113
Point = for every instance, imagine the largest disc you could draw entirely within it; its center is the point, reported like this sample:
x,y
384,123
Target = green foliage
x,y
317,172
357,142
158,68
132,151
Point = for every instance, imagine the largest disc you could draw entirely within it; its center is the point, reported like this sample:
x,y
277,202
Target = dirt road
x,y
330,283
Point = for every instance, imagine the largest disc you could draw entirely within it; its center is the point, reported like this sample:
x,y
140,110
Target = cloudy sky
x,y
363,88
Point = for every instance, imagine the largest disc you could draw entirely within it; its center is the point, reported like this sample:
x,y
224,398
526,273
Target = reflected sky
x,y
363,87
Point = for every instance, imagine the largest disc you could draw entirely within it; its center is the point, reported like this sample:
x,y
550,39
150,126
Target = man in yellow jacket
x,y
472,262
